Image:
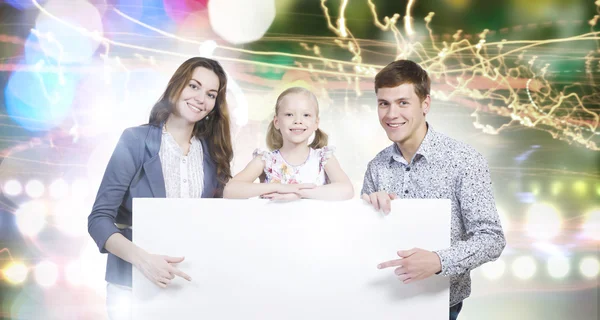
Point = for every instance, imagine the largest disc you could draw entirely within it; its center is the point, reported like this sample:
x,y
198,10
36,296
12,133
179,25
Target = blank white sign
x,y
255,259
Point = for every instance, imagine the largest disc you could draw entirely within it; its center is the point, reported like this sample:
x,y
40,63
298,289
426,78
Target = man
x,y
423,163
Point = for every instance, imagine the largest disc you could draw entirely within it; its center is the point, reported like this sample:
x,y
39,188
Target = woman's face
x,y
199,95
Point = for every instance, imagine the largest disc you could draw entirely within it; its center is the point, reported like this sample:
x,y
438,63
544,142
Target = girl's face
x,y
297,118
199,96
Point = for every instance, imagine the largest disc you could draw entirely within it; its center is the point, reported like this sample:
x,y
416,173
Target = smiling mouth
x,y
395,125
194,108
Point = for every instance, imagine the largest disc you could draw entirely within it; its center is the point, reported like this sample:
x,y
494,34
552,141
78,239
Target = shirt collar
x,y
193,139
168,139
426,150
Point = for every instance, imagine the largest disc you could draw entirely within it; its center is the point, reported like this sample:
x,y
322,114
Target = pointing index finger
x,y
391,263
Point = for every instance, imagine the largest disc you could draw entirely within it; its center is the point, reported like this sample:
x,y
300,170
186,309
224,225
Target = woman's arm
x,y
340,187
119,172
157,268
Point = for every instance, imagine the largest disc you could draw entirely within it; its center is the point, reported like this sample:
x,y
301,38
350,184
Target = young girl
x,y
293,169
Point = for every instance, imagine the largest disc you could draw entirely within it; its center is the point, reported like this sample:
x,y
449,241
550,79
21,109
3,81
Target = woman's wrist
x,y
137,256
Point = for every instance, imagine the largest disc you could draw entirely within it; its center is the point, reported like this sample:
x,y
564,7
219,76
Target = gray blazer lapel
x,y
153,167
153,170
210,172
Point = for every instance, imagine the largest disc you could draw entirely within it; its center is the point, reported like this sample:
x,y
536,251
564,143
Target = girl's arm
x,y
242,186
340,187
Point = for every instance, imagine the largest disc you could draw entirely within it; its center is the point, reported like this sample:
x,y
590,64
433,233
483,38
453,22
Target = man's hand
x,y
414,264
380,200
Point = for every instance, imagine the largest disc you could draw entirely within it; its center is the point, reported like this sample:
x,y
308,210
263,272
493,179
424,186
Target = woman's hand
x,y
159,269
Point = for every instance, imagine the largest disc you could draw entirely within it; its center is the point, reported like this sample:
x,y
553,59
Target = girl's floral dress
x,y
277,170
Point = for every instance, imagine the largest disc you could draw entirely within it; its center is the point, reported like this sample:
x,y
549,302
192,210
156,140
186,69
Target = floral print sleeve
x,y
326,154
269,160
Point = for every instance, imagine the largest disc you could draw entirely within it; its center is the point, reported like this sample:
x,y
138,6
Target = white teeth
x,y
395,125
191,106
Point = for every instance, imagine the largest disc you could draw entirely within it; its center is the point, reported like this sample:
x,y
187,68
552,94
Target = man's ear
x,y
426,104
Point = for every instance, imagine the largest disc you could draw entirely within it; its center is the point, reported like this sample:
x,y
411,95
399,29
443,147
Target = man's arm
x,y
485,239
368,182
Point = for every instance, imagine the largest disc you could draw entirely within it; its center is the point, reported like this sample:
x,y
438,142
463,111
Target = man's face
x,y
400,112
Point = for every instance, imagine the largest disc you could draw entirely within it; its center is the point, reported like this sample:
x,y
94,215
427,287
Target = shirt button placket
x,y
406,183
185,189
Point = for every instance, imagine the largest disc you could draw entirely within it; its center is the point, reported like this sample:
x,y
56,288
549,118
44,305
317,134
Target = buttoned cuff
x,y
443,262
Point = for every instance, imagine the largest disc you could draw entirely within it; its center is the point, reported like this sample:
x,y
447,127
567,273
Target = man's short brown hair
x,y
404,71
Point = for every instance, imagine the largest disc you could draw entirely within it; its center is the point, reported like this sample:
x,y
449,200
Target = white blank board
x,y
307,259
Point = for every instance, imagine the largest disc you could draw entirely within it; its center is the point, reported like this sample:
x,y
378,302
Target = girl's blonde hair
x,y
274,138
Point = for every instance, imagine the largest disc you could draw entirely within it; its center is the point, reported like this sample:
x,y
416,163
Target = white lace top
x,y
184,175
277,170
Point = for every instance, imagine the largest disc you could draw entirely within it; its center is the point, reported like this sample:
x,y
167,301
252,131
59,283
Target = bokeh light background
x,y
515,79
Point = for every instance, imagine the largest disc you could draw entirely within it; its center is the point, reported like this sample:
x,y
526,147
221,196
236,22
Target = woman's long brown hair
x,y
215,127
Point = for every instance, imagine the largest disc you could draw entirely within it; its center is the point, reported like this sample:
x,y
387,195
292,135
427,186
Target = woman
x,y
183,152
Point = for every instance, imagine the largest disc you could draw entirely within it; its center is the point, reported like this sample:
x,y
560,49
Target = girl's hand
x,y
294,188
160,269
282,196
